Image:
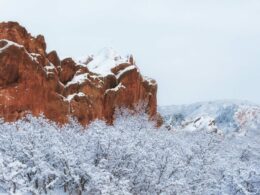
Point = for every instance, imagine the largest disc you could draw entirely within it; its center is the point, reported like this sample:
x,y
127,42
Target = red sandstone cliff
x,y
32,80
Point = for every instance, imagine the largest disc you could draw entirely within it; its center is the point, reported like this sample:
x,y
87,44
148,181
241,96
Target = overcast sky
x,y
196,50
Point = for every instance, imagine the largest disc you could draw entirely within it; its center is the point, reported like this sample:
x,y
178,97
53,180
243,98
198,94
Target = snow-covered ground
x,y
204,148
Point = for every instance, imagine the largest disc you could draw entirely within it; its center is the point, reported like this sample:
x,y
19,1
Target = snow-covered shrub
x,y
130,157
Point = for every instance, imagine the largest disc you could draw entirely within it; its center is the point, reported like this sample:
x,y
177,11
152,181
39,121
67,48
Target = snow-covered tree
x,y
130,157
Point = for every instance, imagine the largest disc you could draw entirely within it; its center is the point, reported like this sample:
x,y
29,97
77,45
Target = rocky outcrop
x,y
32,80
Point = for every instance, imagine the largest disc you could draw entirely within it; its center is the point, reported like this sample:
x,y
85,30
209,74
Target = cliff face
x,y
32,80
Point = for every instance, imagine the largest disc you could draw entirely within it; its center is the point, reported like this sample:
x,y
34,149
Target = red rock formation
x,y
33,81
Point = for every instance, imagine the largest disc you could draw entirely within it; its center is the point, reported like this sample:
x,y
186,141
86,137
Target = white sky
x,y
196,50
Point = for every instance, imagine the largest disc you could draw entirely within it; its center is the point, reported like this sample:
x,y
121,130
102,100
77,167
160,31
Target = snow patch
x,y
119,86
129,68
150,81
10,43
49,68
104,61
70,97
78,79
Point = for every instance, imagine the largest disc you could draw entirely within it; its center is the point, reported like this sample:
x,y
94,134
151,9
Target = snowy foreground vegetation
x,y
131,157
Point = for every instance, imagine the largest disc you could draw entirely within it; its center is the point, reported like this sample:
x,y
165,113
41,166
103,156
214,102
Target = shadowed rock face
x,y
32,80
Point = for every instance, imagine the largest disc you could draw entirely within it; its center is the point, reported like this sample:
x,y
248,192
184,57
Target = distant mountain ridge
x,y
223,116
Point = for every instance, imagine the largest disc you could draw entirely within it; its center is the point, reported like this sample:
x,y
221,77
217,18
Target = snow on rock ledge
x,y
104,61
32,80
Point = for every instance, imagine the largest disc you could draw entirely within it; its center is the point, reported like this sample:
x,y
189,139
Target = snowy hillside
x,y
223,117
